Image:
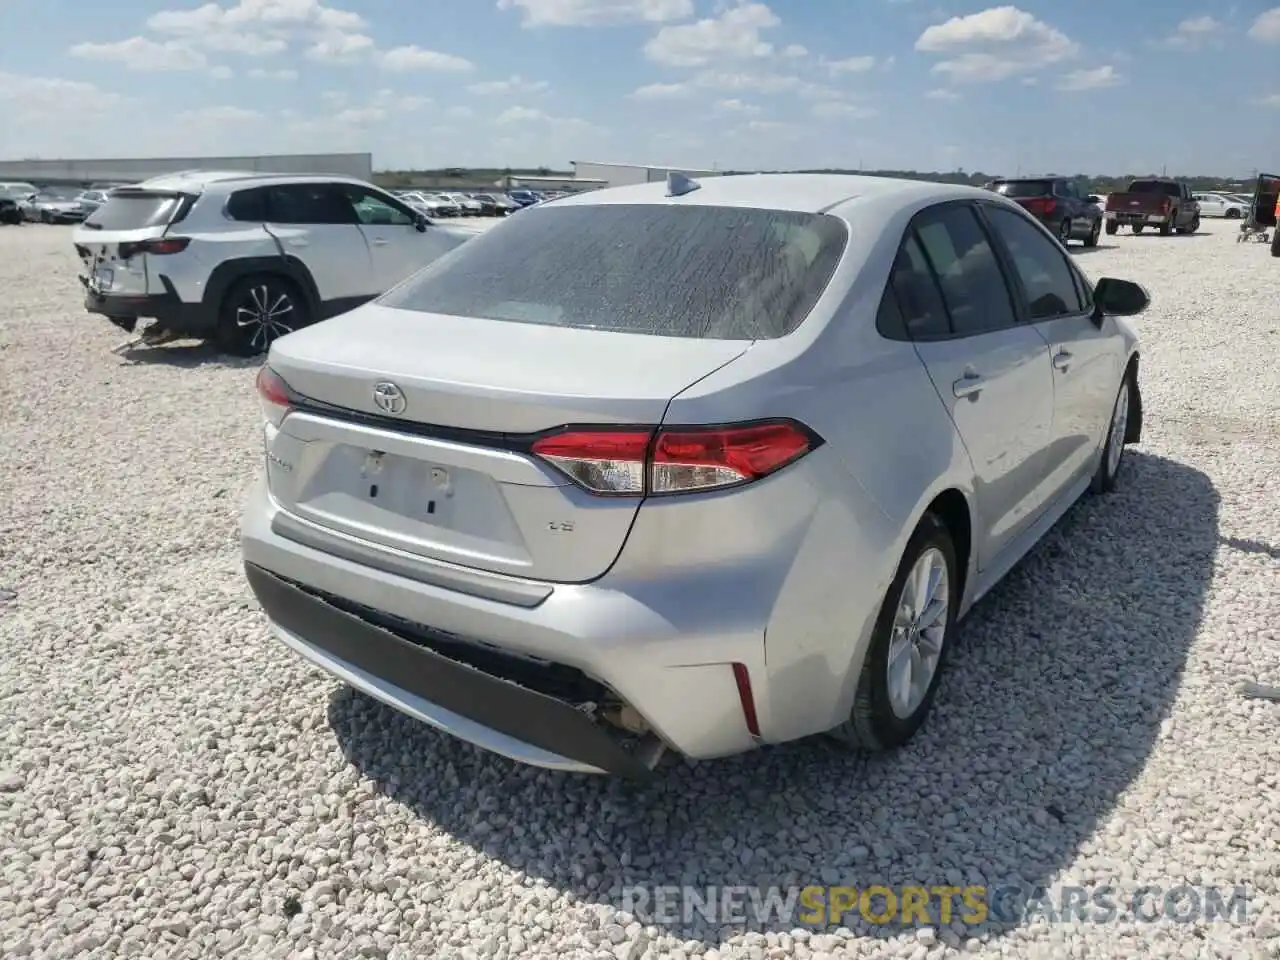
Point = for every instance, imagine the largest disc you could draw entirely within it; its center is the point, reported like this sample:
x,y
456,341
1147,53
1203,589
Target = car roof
x,y
799,192
200,180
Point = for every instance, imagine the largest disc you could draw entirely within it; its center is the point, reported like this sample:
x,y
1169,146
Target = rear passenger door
x,y
396,244
992,373
317,224
1055,299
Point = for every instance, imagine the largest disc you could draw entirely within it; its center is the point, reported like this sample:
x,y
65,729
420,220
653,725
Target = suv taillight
x,y
640,461
274,395
160,245
1040,205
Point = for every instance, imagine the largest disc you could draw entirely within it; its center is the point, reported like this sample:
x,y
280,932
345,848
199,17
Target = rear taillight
x,y
667,460
1042,206
274,395
159,246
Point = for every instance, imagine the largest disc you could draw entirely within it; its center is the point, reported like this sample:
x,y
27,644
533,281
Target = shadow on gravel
x,y
186,355
1086,250
1051,705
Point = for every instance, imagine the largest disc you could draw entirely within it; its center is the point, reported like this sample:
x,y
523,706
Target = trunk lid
x,y
109,241
461,490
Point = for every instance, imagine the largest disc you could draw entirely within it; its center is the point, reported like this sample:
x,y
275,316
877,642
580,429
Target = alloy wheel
x,y
264,315
918,632
1119,427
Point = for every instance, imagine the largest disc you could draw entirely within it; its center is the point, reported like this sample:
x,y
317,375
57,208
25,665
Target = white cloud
x,y
409,58
995,44
248,44
143,55
733,35
1096,79
942,93
512,85
598,13
849,65
222,73
795,51
1266,29
220,115
661,91
734,105
259,73
26,95
460,113
839,110
1192,33
731,82
341,48
255,27
1272,100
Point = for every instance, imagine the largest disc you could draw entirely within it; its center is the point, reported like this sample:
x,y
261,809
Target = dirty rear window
x,y
1024,188
721,273
134,211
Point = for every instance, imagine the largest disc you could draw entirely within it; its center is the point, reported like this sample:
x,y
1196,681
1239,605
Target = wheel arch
x,y
226,273
1133,430
952,507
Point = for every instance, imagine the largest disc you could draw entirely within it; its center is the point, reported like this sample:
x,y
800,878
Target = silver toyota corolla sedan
x,y
693,466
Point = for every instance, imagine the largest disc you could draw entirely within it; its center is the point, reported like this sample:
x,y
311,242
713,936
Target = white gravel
x,y
173,783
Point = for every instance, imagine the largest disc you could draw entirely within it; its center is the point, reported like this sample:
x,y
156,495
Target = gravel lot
x,y
173,783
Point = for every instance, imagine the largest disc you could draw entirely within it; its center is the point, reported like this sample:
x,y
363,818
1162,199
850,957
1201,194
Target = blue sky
x,y
1095,86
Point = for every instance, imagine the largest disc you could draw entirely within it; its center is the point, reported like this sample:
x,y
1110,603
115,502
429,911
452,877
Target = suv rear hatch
x,y
1034,196
413,418
114,242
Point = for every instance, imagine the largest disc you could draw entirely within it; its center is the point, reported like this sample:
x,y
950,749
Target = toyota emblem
x,y
388,397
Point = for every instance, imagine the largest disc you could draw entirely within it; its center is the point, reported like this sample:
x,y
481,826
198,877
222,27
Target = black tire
x,y
1138,228
1275,241
873,725
1092,239
1232,214
1166,228
1104,478
1190,228
241,329
1064,231
1112,228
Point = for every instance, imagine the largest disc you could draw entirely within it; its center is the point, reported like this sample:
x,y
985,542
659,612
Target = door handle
x,y
968,386
379,242
1062,360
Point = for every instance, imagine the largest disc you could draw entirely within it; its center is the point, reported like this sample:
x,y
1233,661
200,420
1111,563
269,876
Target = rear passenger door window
x,y
309,204
969,276
1041,266
918,300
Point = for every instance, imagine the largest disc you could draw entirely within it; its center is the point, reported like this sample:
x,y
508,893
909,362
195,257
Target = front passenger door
x,y
992,373
314,223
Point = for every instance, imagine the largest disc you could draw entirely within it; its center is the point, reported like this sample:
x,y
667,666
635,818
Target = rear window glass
x,y
1024,188
135,211
720,273
1154,186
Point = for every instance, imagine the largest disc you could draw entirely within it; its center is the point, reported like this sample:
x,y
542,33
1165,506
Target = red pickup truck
x,y
1157,202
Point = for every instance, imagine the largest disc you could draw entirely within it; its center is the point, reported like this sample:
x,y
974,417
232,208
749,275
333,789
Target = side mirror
x,y
1093,198
1120,298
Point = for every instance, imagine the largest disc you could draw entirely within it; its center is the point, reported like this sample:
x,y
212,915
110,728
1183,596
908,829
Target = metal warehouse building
x,y
628,174
132,170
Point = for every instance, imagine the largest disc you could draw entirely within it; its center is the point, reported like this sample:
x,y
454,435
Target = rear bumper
x,y
673,667
1136,216
168,308
454,697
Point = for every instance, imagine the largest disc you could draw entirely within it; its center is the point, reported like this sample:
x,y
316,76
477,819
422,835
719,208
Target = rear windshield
x,y
719,273
1024,188
134,211
1154,186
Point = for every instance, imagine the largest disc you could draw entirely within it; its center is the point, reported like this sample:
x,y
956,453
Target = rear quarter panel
x,y
835,540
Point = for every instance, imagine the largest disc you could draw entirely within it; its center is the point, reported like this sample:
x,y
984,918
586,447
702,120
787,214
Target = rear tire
x,y
1166,228
1138,228
1064,232
1092,239
1112,228
257,311
1232,214
883,717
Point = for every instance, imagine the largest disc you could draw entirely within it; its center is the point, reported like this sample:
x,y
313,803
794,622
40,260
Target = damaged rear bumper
x,y
491,712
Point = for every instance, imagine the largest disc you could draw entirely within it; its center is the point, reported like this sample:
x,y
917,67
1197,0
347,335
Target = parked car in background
x,y
467,206
18,188
10,212
1069,213
524,198
55,206
487,496
1154,202
243,258
433,206
91,200
494,204
1221,205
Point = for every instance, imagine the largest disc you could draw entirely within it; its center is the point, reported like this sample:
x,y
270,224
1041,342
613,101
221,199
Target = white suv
x,y
243,258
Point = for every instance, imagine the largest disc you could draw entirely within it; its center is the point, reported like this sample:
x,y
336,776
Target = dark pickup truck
x,y
1166,204
1266,207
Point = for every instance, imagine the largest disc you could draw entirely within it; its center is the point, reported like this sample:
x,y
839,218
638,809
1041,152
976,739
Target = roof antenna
x,y
678,184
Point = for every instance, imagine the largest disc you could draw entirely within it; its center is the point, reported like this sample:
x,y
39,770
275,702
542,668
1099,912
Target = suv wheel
x,y
1094,233
1064,232
909,644
257,311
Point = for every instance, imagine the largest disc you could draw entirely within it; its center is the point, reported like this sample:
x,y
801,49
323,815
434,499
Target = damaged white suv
x,y
244,258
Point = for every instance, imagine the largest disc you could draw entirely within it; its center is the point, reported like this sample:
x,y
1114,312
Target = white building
x,y
129,170
629,174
